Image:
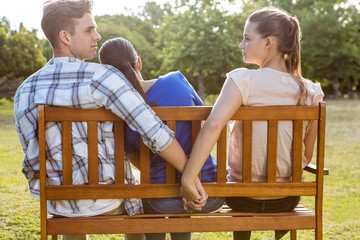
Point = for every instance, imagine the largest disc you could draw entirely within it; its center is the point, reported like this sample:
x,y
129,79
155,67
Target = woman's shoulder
x,y
173,76
243,74
315,91
240,71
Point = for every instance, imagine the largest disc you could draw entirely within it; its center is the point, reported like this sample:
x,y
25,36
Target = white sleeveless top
x,y
263,87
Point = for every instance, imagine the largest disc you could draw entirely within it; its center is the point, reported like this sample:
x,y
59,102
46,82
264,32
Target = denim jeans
x,y
244,204
175,205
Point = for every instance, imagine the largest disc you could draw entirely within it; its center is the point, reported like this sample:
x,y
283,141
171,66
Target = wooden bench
x,y
301,218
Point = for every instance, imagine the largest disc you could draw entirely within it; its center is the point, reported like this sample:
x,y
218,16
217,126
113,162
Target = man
x,y
67,80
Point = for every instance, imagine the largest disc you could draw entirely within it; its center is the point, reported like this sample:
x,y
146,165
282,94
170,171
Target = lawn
x,y
19,212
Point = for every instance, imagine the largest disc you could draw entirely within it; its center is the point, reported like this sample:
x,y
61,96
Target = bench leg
x,y
293,234
318,234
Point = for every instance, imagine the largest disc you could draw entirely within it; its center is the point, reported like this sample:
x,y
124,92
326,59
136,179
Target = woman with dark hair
x,y
172,89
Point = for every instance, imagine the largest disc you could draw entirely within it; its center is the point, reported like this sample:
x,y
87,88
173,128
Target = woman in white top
x,y
271,41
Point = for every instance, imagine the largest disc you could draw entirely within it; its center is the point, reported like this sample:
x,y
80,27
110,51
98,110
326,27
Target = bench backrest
x,y
272,114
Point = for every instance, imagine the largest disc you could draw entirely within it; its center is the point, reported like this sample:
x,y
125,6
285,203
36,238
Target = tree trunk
x,y
336,85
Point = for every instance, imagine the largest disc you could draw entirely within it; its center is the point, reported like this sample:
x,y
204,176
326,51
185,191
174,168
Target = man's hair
x,y
59,15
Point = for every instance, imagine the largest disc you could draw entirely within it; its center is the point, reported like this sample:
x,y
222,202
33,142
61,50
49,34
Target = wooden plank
x,y
42,165
170,170
320,155
119,152
56,114
272,139
93,161
218,224
247,152
276,113
312,168
221,156
297,151
172,190
66,143
144,163
195,129
189,113
225,211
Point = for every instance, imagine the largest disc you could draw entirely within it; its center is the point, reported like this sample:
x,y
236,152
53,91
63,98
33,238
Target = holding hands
x,y
194,195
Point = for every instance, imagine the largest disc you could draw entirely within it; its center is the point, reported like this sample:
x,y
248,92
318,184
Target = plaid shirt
x,y
72,83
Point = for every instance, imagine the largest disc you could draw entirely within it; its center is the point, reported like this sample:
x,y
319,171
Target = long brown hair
x,y
271,21
121,54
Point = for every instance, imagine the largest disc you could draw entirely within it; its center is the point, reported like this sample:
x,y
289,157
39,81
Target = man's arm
x,y
115,93
175,155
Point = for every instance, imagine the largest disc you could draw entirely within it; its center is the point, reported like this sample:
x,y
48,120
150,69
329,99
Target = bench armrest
x,y
312,169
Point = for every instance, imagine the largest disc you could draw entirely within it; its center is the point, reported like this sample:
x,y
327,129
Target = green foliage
x,y
201,38
132,28
20,52
199,41
329,49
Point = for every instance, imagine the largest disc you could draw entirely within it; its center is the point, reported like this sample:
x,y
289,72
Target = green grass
x,y
19,212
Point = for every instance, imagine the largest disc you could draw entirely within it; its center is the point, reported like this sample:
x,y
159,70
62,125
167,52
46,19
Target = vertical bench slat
x,y
272,141
66,143
247,151
42,165
320,155
119,152
221,156
297,150
195,129
93,161
170,170
144,163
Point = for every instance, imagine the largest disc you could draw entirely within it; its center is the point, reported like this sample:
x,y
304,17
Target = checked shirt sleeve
x,y
113,91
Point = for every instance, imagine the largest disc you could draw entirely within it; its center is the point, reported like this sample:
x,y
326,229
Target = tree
x,y
20,52
197,41
132,28
156,13
331,52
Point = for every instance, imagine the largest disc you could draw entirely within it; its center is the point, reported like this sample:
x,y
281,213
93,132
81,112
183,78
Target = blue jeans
x,y
175,205
244,204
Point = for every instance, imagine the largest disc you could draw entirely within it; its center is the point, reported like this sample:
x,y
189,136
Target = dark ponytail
x,y
121,54
272,21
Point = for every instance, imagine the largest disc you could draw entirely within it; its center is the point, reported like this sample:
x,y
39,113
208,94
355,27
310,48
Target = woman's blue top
x,y
172,89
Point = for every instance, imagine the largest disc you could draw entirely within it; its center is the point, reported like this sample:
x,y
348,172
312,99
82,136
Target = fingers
x,y
201,189
190,192
186,207
194,195
203,198
194,205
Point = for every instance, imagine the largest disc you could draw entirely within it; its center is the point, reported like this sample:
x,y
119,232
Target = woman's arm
x,y
230,99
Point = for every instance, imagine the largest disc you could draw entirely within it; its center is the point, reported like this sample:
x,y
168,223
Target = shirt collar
x,y
63,59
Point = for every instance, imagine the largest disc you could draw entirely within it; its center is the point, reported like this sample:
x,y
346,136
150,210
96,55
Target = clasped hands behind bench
x,y
226,220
